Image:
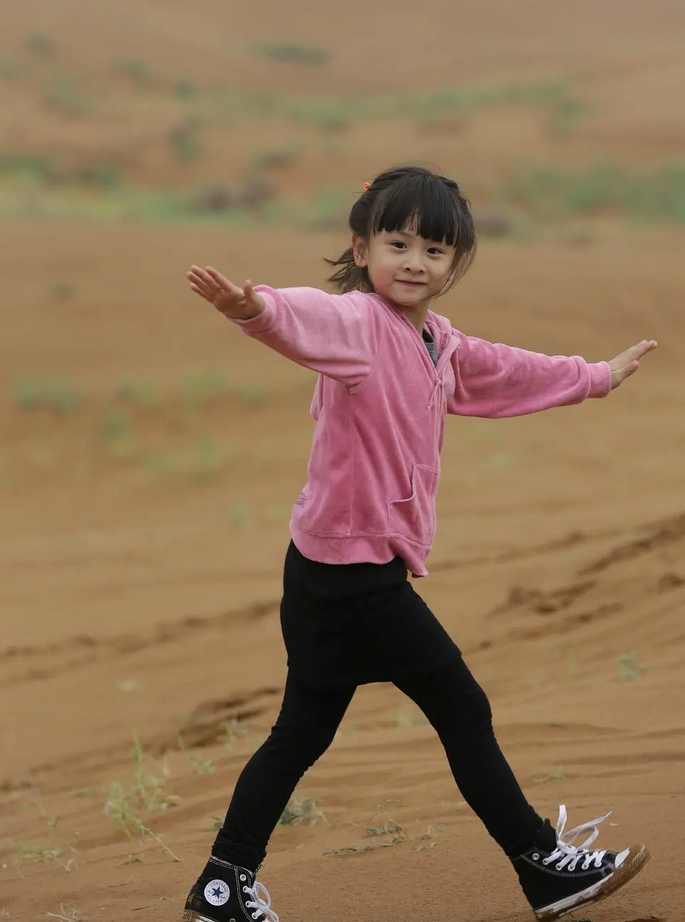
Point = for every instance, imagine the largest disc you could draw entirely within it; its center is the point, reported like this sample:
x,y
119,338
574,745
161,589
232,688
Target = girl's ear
x,y
359,251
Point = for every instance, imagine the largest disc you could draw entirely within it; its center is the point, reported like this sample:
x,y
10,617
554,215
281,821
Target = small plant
x,y
204,461
185,89
294,53
9,70
117,433
202,765
43,853
234,730
251,395
146,795
550,774
628,667
24,166
67,914
67,98
409,717
276,158
184,140
390,828
301,811
140,393
30,393
39,44
240,516
127,805
204,387
137,71
431,834
63,290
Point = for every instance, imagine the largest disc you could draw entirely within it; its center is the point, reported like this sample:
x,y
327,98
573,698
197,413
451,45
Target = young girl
x,y
390,370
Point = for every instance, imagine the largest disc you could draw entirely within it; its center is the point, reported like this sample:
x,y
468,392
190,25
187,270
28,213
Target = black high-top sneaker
x,y
227,893
558,877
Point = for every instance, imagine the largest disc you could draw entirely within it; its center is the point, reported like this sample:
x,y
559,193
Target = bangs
x,y
422,204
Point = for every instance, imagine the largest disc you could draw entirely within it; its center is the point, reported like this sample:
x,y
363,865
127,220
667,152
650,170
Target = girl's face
x,y
404,268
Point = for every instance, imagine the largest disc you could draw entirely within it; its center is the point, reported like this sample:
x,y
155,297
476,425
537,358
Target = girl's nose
x,y
413,263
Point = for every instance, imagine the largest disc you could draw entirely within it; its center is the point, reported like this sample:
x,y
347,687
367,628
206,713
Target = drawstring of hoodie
x,y
436,390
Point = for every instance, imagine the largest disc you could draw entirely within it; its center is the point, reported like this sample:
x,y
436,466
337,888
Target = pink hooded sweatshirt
x,y
380,406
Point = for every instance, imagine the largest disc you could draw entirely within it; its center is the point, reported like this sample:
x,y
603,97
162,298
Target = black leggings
x,y
457,708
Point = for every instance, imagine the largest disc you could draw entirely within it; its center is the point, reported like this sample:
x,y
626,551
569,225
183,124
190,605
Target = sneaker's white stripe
x,y
569,901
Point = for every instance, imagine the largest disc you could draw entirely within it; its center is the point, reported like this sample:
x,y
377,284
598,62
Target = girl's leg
x,y
458,709
304,730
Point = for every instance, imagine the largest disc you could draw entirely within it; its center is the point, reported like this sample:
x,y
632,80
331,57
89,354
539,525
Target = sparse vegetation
x,y
204,387
40,44
202,461
118,434
184,139
409,716
135,70
141,394
44,853
67,914
300,811
628,667
549,192
294,53
129,805
549,774
185,89
62,290
234,730
397,834
201,764
68,98
45,393
9,70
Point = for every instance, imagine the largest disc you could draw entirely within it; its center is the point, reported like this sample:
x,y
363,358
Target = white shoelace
x,y
568,854
261,901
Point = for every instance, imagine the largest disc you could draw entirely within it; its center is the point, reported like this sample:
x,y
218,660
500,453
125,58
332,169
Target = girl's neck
x,y
415,315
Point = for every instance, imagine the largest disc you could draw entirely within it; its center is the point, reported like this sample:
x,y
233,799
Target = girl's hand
x,y
628,362
231,300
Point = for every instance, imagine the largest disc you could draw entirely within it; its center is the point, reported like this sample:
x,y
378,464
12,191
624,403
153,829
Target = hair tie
x,y
366,187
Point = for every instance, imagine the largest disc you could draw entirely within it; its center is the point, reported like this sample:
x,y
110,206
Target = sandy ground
x,y
139,592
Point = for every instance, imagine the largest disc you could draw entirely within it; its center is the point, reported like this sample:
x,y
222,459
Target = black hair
x,y
409,196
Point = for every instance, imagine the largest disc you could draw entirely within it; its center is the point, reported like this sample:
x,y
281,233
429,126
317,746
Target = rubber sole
x,y
636,860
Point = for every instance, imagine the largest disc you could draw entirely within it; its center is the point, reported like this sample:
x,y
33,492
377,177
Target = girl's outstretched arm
x,y
334,335
494,380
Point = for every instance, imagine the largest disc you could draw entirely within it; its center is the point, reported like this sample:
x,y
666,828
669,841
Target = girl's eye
x,y
398,243
434,251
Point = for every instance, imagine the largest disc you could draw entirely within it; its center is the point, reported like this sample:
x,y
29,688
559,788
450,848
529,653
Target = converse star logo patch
x,y
217,892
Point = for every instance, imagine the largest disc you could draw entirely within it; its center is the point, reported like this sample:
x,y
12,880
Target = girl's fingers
x,y
203,278
221,280
198,279
644,347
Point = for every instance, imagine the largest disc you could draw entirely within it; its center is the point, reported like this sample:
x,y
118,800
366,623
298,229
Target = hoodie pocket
x,y
414,518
